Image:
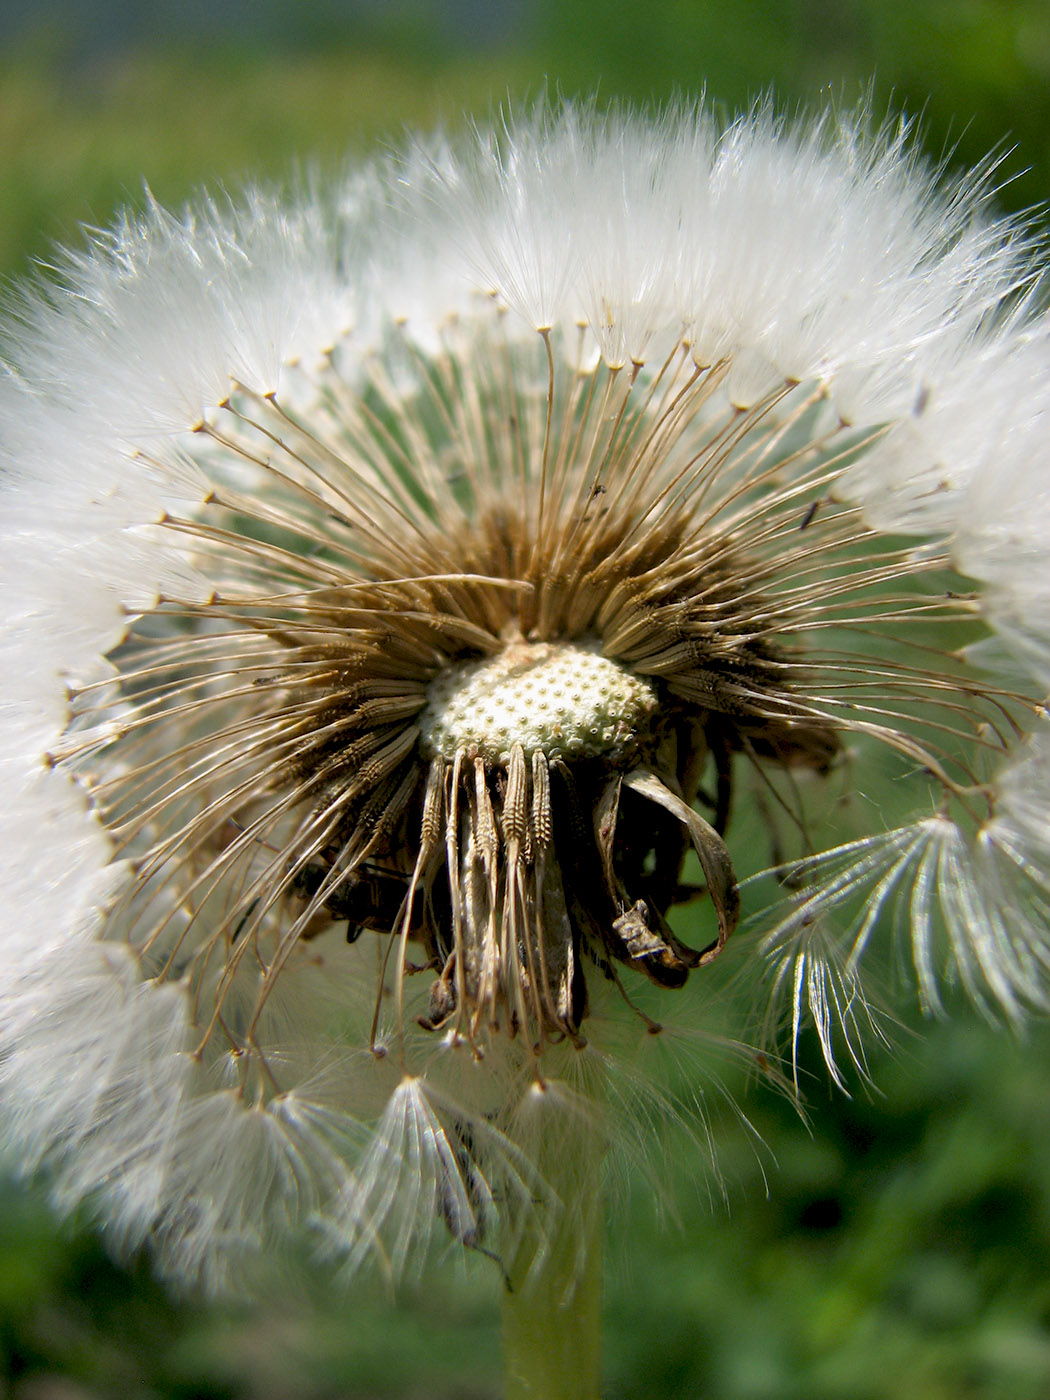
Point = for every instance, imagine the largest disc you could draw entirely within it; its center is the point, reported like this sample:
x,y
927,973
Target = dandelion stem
x,y
552,1300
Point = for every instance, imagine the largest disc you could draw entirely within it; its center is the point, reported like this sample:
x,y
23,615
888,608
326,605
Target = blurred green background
x,y
897,1245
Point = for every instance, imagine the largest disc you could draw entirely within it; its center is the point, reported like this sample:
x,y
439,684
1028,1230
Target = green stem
x,y
552,1299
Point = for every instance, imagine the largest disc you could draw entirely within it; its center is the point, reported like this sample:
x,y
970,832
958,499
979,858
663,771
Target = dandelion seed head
x,y
420,591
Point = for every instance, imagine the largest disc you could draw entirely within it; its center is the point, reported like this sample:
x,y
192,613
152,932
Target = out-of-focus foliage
x,y
902,1248
976,71
77,143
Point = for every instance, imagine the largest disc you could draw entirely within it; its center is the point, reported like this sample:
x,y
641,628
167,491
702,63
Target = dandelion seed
x,y
415,594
